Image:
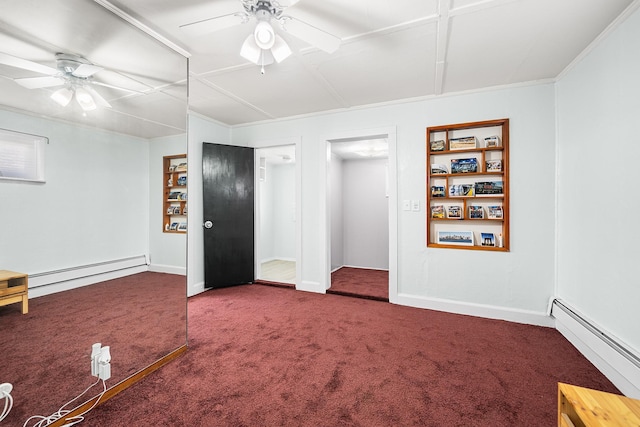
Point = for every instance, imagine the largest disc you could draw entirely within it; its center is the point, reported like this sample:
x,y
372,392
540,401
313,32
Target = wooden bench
x,y
578,406
14,288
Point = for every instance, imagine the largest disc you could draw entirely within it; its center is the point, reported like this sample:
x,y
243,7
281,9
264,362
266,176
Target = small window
x,y
21,156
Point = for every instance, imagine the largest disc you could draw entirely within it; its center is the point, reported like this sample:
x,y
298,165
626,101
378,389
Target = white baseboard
x,y
310,287
365,268
624,374
277,258
170,269
51,282
478,310
195,289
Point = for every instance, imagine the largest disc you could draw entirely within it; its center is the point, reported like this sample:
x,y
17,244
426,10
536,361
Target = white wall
x,y
515,285
599,145
167,251
365,213
200,130
93,207
278,213
337,227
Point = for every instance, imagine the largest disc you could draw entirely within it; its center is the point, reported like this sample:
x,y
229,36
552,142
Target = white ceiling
x,y
390,50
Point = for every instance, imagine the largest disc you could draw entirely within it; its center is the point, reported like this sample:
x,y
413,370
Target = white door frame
x,y
297,141
325,208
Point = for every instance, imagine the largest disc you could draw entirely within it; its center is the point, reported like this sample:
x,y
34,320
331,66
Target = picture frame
x,y
493,165
462,190
492,141
464,143
438,145
437,191
476,212
454,212
487,239
464,165
459,238
438,169
495,212
437,212
174,226
182,226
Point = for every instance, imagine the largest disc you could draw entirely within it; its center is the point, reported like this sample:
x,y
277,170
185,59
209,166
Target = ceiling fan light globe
x,y
264,35
62,96
280,49
84,98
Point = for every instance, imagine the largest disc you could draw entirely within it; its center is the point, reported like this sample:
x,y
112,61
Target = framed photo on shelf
x,y
437,169
462,190
170,210
494,212
476,212
488,188
487,239
437,191
462,238
182,226
492,141
454,212
493,165
438,145
464,165
437,211
174,226
465,143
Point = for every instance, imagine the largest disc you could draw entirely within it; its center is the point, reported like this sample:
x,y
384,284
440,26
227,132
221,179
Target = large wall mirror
x,y
108,101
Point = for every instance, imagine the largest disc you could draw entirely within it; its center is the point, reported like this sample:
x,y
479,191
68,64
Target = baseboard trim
x,y
310,287
618,369
195,289
170,269
478,310
121,386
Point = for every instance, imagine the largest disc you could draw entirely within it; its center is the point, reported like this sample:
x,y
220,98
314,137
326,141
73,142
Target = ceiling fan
x,y
73,72
264,45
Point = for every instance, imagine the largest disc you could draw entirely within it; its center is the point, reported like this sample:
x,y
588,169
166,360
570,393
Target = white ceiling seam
x,y
442,40
478,6
234,97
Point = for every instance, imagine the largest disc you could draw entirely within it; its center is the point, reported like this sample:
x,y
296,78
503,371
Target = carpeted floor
x,y
360,282
268,356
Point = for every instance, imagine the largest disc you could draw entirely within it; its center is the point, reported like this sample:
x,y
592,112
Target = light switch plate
x,y
406,205
415,205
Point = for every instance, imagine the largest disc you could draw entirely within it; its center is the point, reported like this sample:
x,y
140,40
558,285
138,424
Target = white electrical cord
x,y
45,421
5,392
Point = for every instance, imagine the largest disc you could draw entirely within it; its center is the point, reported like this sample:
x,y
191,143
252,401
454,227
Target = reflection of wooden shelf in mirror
x,y
14,289
172,173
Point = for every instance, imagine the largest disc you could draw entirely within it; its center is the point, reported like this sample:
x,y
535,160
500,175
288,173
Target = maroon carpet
x,y
360,282
45,354
267,356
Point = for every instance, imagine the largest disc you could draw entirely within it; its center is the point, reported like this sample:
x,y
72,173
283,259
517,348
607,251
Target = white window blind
x,y
21,156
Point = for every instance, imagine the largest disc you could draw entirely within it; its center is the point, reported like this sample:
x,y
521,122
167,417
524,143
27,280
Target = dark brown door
x,y
228,210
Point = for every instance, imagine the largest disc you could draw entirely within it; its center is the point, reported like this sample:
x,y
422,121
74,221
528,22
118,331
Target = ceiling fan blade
x,y
86,70
312,35
208,26
39,82
97,97
14,61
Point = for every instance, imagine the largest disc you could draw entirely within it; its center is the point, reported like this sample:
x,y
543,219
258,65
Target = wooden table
x,y
14,288
578,406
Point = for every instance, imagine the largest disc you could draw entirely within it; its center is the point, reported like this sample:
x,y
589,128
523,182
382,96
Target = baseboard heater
x,y
618,361
68,278
610,341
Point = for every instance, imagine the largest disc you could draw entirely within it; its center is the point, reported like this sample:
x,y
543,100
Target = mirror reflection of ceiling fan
x,y
264,46
74,73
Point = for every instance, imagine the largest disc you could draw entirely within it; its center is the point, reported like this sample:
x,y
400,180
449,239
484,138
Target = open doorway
x,y
360,214
276,214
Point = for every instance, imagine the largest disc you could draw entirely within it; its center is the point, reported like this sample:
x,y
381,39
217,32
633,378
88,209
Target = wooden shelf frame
x,y
481,153
172,176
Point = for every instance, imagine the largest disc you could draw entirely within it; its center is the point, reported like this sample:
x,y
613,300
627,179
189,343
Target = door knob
x,y
207,224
